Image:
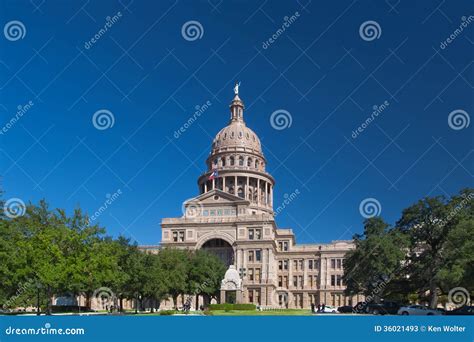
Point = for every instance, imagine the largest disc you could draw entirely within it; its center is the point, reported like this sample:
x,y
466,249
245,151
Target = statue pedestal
x,y
231,287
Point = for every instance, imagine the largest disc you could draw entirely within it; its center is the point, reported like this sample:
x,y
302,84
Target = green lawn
x,y
288,312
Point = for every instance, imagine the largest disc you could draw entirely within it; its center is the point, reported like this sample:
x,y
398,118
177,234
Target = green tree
x,y
375,261
437,254
206,272
175,266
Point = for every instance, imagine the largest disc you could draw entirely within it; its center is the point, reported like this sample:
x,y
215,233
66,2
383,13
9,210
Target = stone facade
x,y
233,217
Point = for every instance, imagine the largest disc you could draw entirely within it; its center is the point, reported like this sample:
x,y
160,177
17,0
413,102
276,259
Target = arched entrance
x,y
220,248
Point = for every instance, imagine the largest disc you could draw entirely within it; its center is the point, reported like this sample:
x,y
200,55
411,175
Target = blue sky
x,y
320,70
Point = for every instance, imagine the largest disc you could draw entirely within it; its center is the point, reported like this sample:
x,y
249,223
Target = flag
x,y
213,175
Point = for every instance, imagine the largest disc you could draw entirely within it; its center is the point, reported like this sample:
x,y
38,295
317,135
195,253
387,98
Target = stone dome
x,y
236,136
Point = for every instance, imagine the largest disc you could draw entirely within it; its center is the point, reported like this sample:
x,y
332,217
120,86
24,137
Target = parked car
x,y
418,310
463,310
345,309
329,309
384,308
360,307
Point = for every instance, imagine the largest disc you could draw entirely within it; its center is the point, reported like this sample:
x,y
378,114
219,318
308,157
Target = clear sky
x,y
151,74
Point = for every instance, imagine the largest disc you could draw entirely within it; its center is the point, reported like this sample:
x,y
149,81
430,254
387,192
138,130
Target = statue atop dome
x,y
236,88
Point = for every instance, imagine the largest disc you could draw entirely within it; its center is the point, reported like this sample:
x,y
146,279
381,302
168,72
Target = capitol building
x,y
233,217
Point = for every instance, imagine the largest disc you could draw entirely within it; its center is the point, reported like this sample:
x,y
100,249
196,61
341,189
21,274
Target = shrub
x,y
167,312
228,307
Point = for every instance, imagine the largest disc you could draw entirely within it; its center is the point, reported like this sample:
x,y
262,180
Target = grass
x,y
287,312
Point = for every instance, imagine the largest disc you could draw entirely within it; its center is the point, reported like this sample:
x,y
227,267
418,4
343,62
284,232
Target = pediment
x,y
217,197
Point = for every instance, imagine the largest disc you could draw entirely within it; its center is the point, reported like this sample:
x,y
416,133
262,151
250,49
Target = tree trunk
x,y
175,302
433,294
49,301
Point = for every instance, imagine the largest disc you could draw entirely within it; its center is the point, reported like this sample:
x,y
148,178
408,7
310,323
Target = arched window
x,y
216,161
249,162
257,164
241,161
240,192
223,161
231,161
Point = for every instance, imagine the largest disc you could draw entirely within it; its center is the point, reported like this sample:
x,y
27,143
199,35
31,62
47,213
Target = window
x,y
251,274
285,281
339,280
251,296
251,234
258,234
178,235
300,278
310,264
285,265
295,264
258,255
249,162
333,280
283,246
280,281
280,265
295,281
333,263
257,274
301,263
339,263
241,161
231,161
251,256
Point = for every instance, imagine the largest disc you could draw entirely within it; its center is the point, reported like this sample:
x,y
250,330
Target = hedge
x,y
228,307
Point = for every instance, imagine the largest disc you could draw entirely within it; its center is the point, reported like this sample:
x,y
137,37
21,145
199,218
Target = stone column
x,y
266,194
264,265
305,273
223,184
258,191
271,195
247,190
205,186
235,185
